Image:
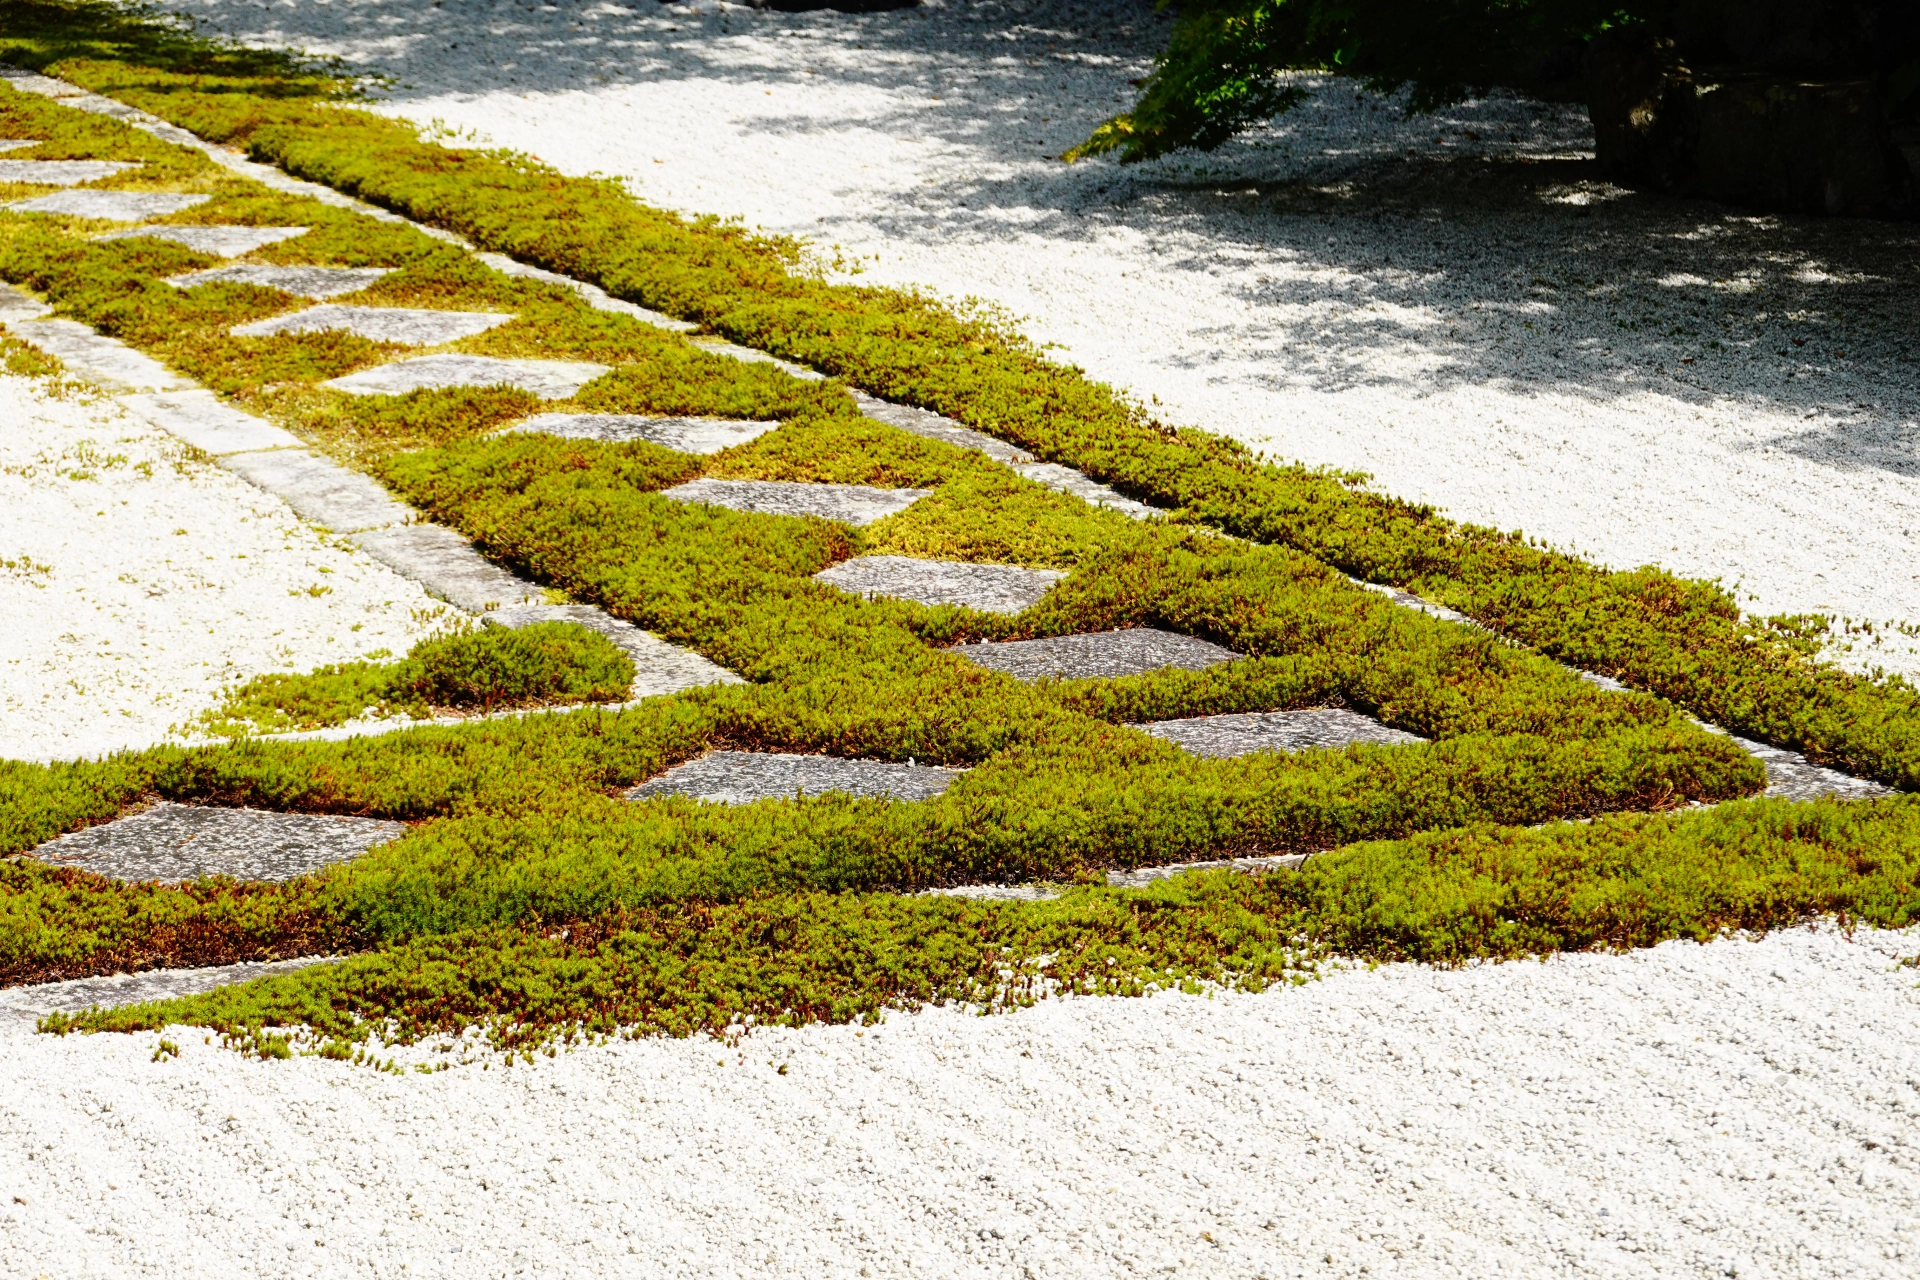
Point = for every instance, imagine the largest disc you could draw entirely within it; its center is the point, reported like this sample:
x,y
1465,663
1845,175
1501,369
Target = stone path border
x,y
31,1003
302,282
1320,729
854,504
742,777
990,588
1102,655
178,842
682,435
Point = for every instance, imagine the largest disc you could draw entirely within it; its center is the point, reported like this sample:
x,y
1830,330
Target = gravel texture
x,y
1326,728
741,777
410,326
227,242
1101,655
1740,1108
687,435
990,588
60,173
186,842
110,206
549,379
304,282
854,504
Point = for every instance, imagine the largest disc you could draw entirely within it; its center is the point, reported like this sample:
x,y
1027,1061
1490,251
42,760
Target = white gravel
x,y
137,582
1346,287
1740,1109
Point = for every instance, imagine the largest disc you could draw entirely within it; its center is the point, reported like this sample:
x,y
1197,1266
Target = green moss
x,y
548,663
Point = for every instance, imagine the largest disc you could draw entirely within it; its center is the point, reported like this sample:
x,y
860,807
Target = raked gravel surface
x,y
1738,1109
1452,303
137,582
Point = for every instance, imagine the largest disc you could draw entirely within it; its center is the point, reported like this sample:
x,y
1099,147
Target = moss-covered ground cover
x,y
529,896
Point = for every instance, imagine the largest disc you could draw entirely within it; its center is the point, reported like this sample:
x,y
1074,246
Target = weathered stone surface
x,y
734,351
222,241
15,144
320,489
304,282
200,419
594,295
108,361
413,326
29,1003
925,422
688,435
60,173
1324,728
740,777
1792,776
17,304
1067,480
659,667
111,206
1139,878
548,379
447,566
854,504
1099,655
1408,600
185,842
991,588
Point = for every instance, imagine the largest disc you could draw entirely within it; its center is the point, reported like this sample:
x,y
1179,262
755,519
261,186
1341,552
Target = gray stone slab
x,y
1099,655
108,361
734,351
15,144
854,504
925,422
221,241
1066,480
17,304
990,588
1139,878
447,566
658,667
60,173
320,489
1324,728
548,379
110,206
687,435
184,842
303,282
1792,776
122,989
741,777
412,326
203,421
594,295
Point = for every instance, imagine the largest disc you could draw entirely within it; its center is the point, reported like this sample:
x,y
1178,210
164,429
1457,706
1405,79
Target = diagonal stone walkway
x,y
110,206
61,173
221,241
1100,655
174,842
990,588
1324,728
933,426
854,504
304,282
741,777
411,326
684,435
548,379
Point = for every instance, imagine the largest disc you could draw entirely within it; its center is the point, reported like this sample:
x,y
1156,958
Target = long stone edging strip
x,y
174,842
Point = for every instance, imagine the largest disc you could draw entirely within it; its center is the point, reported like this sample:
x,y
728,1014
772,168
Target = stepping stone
x,y
548,379
320,490
854,504
658,667
925,422
594,295
687,435
221,241
304,282
101,359
412,326
34,1002
741,777
1100,655
1792,776
60,173
110,206
447,566
185,842
1066,480
990,588
199,418
1327,728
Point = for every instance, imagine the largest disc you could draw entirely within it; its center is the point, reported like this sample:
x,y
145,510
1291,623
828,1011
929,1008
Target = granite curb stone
x,y
320,489
410,326
548,379
854,504
684,435
17,304
741,777
94,356
1095,655
447,566
202,420
990,588
175,842
304,282
596,297
1063,479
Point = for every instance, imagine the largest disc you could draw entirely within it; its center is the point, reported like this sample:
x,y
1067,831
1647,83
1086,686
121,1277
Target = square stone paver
x,y
61,173
111,206
658,667
990,588
1324,728
1099,655
412,326
221,241
933,426
854,504
320,489
304,282
185,842
548,379
741,777
203,421
686,435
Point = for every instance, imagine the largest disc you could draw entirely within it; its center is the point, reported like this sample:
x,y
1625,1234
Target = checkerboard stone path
x,y
683,435
410,326
303,282
741,777
174,842
1325,728
990,588
854,504
110,206
548,379
60,173
1097,655
220,241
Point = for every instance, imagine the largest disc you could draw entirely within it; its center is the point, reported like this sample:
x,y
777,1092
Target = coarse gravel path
x,y
1736,1109
1451,303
